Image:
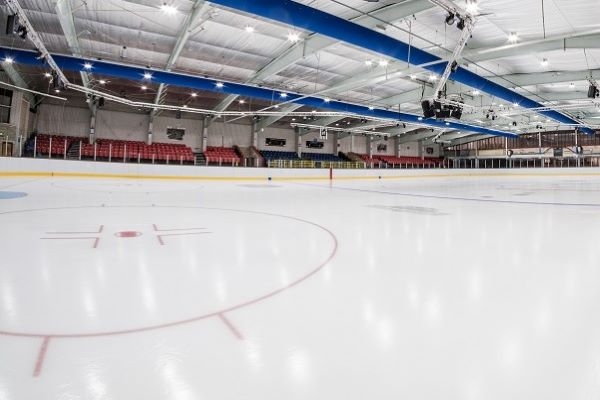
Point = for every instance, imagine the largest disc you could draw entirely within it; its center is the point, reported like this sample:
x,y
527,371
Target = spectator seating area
x,y
221,155
401,161
270,155
321,157
132,150
55,145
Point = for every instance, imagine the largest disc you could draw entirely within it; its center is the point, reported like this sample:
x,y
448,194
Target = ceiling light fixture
x,y
472,7
283,95
147,75
249,29
47,74
383,63
476,92
571,85
413,77
9,60
144,87
87,66
326,100
194,94
241,101
544,62
168,9
371,108
219,85
293,37
513,37
433,78
102,82
368,63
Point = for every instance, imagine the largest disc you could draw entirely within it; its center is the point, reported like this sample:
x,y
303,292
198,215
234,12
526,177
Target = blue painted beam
x,y
136,74
300,16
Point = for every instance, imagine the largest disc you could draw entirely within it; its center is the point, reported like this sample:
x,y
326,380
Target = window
x,y
5,103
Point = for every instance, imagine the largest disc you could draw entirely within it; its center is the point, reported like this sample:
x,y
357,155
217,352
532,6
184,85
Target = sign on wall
x,y
175,133
382,147
275,142
314,144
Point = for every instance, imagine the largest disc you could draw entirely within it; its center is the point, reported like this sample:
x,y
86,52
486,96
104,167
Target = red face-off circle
x,y
128,234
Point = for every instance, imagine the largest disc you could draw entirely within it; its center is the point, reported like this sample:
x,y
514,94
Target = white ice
x,y
454,288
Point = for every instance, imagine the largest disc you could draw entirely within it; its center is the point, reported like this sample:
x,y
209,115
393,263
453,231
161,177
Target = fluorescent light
x,y
293,119
544,62
326,100
219,85
9,60
47,74
249,29
420,118
168,9
283,95
102,82
293,37
513,37
472,7
144,87
371,108
241,101
56,91
87,66
194,94
515,104
447,123
147,75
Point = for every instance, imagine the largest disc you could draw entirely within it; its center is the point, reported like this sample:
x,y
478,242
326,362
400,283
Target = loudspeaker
x,y
592,92
101,102
428,109
12,24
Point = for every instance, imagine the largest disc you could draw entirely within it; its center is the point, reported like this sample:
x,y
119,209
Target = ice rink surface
x,y
431,288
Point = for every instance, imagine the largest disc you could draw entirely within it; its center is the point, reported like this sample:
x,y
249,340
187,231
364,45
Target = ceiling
x,y
554,53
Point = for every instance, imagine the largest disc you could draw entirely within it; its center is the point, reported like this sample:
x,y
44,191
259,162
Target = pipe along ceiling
x,y
137,74
313,20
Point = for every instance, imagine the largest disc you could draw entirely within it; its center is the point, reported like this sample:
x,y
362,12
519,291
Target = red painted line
x,y
41,356
246,303
95,245
231,327
184,234
75,233
175,229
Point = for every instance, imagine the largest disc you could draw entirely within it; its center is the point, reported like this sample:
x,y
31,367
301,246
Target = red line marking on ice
x,y
95,245
175,229
75,233
199,317
41,356
231,327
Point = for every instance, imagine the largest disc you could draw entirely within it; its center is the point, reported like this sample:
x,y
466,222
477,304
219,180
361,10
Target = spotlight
x,y
22,32
454,66
283,95
87,65
147,75
450,19
219,85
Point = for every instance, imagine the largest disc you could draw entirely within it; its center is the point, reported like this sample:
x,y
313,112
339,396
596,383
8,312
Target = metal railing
x,y
580,161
